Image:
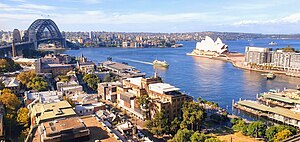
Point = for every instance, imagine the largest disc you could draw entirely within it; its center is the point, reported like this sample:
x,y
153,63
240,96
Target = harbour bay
x,y
210,79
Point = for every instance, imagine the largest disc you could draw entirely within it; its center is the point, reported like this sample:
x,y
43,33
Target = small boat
x,y
271,76
160,63
273,43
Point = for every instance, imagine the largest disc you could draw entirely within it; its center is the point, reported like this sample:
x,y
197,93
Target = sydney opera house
x,y
210,47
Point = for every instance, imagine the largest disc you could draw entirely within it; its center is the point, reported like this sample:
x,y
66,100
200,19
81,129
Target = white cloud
x,y
37,7
291,19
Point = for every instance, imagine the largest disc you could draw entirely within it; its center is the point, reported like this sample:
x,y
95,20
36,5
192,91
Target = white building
x,y
208,45
43,97
162,88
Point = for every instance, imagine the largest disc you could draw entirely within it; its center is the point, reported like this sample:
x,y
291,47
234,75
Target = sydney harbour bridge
x,y
34,36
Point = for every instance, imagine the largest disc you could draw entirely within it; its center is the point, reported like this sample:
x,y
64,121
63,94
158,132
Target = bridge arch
x,y
36,29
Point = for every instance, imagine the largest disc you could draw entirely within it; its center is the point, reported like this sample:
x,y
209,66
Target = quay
x,y
278,106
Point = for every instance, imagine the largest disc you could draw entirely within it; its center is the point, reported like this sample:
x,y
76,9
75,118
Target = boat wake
x,y
137,61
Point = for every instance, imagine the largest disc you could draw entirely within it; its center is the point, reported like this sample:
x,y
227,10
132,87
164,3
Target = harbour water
x,y
210,79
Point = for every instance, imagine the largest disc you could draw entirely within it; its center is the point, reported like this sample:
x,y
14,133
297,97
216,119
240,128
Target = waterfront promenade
x,y
238,61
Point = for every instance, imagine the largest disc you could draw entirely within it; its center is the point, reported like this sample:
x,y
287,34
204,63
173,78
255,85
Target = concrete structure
x,y
1,122
84,65
63,130
16,36
108,91
257,55
40,113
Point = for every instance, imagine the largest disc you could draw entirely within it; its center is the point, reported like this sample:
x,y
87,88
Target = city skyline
x,y
281,17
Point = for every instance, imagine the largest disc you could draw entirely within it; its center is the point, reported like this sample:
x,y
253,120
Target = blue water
x,y
210,79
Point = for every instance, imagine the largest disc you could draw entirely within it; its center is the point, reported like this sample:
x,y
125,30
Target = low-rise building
x,y
63,130
88,109
40,113
54,69
108,91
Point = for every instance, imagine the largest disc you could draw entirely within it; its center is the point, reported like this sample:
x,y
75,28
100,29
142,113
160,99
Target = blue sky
x,y
254,16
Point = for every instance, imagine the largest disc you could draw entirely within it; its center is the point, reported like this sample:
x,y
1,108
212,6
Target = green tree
x,y
193,115
38,84
273,130
182,135
158,125
256,129
240,126
282,135
212,140
91,80
175,126
9,99
22,117
198,137
8,65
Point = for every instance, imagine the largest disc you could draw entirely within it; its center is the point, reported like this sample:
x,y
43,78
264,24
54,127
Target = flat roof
x,y
162,87
280,98
116,65
56,126
254,105
286,112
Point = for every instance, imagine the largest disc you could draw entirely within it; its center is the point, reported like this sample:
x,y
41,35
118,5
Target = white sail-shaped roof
x,y
209,45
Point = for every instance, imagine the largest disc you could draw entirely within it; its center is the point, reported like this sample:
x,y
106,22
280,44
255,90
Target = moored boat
x,y
271,76
272,43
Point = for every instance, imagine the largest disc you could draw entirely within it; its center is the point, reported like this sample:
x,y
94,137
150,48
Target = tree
x,y
91,80
158,125
282,135
63,78
38,84
8,65
198,137
240,126
26,77
193,115
9,99
175,126
22,117
256,129
212,140
273,130
182,135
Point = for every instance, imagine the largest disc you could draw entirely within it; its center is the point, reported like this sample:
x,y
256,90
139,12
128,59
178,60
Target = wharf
x,y
280,114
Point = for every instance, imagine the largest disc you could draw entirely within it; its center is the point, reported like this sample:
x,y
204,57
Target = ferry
x,y
160,63
273,43
271,76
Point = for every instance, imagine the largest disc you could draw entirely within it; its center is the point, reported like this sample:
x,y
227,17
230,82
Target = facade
x,y
1,121
54,69
108,91
69,87
63,130
257,55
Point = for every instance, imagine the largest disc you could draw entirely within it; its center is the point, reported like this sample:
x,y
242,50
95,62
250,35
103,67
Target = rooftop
x,y
116,65
60,127
162,88
281,98
57,66
10,81
52,110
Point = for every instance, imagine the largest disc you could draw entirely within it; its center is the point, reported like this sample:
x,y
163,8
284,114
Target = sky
x,y
251,16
